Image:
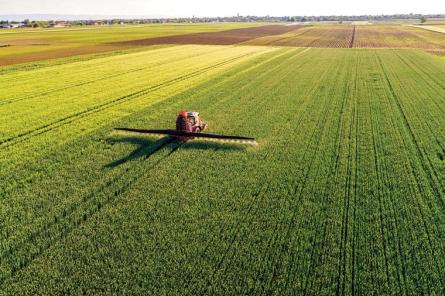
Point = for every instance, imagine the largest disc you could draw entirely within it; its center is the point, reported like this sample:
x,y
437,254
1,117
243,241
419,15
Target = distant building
x,y
19,25
57,25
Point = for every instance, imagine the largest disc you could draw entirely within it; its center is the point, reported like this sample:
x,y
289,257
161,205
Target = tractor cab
x,y
190,122
188,127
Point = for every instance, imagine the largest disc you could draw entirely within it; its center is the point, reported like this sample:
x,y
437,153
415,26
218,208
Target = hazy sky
x,y
220,8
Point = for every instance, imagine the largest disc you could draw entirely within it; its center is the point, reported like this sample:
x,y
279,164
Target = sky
x,y
199,8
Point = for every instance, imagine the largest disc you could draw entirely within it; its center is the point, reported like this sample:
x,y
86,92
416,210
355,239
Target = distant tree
x,y
26,22
423,19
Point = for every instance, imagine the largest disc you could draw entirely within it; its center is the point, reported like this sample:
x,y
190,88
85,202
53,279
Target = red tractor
x,y
189,126
190,122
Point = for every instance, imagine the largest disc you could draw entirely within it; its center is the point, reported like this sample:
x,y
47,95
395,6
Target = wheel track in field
x,y
427,122
76,215
335,180
402,262
333,168
290,126
311,93
341,273
299,189
419,186
351,42
300,185
328,184
421,73
413,169
277,234
102,78
264,186
380,194
412,65
354,215
12,141
413,138
382,173
432,131
237,229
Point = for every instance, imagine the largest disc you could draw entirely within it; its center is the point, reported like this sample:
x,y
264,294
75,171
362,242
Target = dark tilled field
x,y
217,38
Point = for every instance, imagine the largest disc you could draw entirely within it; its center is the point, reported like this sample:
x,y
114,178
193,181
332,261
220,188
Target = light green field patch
x,y
40,104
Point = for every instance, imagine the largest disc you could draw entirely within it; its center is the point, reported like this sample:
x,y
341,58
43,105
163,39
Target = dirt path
x,y
351,43
58,53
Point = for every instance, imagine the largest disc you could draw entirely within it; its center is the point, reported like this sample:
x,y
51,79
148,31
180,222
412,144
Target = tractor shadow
x,y
146,147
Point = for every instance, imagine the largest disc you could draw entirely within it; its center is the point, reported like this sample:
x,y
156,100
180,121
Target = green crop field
x,y
343,195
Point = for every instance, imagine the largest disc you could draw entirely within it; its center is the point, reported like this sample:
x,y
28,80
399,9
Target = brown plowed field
x,y
393,36
58,53
317,36
217,38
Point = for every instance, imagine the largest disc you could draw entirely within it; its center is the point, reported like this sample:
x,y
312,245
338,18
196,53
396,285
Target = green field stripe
x,y
416,178
39,65
375,252
263,195
397,244
78,100
428,204
87,71
410,129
